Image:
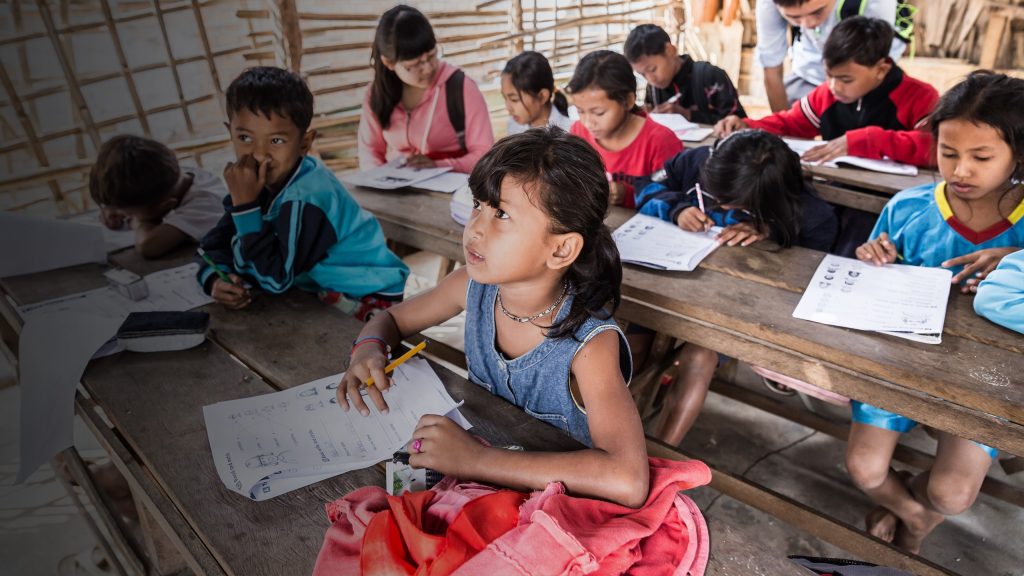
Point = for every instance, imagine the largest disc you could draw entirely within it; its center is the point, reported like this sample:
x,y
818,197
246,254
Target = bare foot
x,y
881,523
911,532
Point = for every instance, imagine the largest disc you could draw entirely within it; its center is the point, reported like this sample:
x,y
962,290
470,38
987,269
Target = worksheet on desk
x,y
267,445
893,298
652,242
684,129
393,175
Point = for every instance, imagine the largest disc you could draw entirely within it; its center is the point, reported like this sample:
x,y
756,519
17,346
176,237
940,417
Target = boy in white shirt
x,y
137,181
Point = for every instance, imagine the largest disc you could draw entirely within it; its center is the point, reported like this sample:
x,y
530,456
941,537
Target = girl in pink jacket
x,y
412,108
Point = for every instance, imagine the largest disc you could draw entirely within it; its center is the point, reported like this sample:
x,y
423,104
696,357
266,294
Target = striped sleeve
x,y
803,120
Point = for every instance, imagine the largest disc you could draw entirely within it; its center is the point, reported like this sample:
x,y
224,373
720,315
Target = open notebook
x,y
393,175
904,301
654,243
886,166
684,129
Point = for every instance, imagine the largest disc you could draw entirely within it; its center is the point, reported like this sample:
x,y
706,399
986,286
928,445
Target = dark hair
x,y
403,33
133,172
861,39
268,90
607,70
757,171
985,97
789,3
531,73
645,40
572,190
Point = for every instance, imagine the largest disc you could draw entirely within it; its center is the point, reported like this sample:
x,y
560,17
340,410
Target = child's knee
x,y
699,355
950,495
867,470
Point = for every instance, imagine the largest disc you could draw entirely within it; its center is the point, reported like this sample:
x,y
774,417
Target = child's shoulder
x,y
916,196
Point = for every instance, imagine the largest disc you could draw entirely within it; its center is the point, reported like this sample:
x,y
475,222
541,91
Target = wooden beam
x,y
288,14
133,92
990,48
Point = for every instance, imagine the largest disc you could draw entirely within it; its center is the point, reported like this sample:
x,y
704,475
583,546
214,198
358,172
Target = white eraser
x,y
128,283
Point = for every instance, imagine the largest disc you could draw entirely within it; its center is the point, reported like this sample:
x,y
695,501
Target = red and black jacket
x,y
886,123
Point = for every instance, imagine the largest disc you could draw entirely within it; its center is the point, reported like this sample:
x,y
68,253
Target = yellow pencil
x,y
391,367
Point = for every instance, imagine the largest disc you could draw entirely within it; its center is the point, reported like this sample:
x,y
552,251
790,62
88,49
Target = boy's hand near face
x,y
672,108
246,178
113,218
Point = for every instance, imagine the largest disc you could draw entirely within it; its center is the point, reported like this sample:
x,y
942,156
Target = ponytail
x,y
571,188
560,102
403,33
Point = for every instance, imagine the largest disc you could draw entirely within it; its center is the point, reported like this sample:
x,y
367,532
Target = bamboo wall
x,y
75,74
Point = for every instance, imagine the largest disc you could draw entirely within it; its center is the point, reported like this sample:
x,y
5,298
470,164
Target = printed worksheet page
x,y
893,298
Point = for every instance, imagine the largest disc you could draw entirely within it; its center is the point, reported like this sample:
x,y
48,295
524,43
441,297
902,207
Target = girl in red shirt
x,y
630,144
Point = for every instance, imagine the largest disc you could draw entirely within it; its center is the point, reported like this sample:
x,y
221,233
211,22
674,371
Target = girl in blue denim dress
x,y
539,287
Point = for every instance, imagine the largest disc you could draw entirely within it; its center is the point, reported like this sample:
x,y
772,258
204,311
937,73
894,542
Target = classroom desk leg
x,y
113,535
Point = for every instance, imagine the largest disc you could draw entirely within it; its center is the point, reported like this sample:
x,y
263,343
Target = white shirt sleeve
x,y
201,207
772,39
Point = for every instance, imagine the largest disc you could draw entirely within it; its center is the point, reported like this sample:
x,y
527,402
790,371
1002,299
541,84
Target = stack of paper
x,y
394,175
683,128
275,443
886,166
905,301
448,182
654,243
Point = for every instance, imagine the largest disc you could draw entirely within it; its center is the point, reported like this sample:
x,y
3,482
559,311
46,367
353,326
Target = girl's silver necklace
x,y
541,314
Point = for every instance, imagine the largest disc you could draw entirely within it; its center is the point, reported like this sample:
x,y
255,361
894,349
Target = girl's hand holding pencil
x,y
879,251
367,374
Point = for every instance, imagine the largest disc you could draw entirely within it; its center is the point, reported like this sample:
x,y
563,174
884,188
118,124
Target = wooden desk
x,y
740,302
146,410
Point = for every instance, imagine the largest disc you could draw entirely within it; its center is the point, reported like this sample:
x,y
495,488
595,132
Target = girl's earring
x,y
1018,175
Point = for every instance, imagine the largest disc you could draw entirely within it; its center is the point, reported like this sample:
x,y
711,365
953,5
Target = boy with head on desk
x,y
137,180
288,221
539,287
867,107
968,223
676,84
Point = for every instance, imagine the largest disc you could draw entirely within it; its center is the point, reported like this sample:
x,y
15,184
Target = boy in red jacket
x,y
868,107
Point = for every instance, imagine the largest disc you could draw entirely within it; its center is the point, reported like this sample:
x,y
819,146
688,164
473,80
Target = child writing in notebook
x,y
288,221
531,98
750,183
867,107
418,106
540,284
676,84
603,89
138,180
967,223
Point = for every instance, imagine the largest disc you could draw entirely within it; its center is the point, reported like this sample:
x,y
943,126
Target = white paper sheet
x,y
393,175
652,242
171,290
267,445
29,245
115,240
53,351
886,166
891,298
683,128
448,182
